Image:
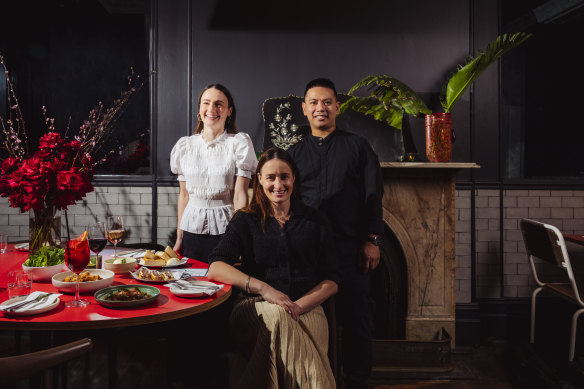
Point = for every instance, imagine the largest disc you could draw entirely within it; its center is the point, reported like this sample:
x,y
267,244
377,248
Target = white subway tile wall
x,y
134,204
563,209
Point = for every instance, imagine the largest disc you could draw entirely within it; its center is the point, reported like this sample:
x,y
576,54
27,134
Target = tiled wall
x,y
498,211
134,204
494,259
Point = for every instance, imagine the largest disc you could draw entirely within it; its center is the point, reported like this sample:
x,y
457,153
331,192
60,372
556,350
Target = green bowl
x,y
102,293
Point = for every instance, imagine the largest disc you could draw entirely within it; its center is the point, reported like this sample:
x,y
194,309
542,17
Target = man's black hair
x,y
323,82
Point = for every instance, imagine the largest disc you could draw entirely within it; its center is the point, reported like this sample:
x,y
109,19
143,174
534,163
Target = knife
x,y
19,305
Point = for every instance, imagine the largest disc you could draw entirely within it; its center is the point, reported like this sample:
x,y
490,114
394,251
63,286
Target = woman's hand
x,y
178,246
274,296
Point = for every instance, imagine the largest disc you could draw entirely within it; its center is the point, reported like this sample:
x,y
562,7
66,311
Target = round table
x,y
95,316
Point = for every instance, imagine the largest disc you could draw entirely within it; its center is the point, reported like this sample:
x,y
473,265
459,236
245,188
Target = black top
x,y
292,259
340,175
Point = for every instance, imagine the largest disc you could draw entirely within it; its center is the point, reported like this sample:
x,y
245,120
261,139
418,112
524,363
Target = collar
x,y
323,141
220,138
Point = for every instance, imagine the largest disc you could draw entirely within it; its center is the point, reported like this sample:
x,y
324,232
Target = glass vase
x,y
44,229
439,137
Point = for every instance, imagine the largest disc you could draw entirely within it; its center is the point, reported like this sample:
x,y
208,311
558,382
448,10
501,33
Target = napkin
x,y
198,288
36,305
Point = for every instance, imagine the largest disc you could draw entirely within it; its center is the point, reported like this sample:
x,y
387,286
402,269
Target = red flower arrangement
x,y
59,173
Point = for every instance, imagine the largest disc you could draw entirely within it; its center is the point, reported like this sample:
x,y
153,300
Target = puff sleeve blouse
x,y
209,170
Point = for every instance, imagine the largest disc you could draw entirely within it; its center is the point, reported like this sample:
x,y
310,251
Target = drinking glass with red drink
x,y
77,259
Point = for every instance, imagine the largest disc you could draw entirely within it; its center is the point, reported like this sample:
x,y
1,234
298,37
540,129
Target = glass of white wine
x,y
115,231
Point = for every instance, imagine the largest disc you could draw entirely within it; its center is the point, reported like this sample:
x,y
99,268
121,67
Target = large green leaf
x,y
467,74
388,100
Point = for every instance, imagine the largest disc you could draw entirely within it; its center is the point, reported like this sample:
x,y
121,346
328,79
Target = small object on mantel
x,y
409,157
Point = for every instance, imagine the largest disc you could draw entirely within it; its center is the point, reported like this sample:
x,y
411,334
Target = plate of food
x,y
157,276
162,259
123,296
89,280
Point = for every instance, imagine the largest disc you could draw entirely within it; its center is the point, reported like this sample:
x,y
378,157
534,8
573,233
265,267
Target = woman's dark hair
x,y
230,125
260,204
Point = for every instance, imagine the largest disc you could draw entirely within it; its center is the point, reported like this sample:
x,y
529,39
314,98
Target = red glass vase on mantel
x,y
439,137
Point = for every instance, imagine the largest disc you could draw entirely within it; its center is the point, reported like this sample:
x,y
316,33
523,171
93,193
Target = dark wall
x,y
259,51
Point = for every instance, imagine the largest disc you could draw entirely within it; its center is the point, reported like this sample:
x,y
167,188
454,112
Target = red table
x,y
94,316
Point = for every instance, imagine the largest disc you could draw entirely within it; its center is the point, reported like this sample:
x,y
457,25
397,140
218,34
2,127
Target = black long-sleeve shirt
x,y
293,259
340,175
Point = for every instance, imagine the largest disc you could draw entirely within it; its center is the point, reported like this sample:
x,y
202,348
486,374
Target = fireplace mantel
x,y
419,208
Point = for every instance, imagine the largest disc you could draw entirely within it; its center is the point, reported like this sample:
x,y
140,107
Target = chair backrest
x,y
285,124
544,241
16,368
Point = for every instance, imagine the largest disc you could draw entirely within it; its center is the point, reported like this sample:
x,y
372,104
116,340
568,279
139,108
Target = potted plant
x,y
390,98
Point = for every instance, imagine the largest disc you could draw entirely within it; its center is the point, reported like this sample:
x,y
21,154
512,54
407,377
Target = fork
x,y
22,304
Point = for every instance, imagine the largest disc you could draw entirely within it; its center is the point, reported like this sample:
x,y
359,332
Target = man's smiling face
x,y
321,107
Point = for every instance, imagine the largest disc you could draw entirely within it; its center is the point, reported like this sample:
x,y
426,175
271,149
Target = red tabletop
x,y
578,239
94,316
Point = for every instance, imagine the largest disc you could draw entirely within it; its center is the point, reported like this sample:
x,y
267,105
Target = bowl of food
x,y
120,264
45,263
121,296
89,280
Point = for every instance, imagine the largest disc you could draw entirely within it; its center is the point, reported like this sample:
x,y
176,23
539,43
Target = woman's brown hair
x,y
260,204
230,124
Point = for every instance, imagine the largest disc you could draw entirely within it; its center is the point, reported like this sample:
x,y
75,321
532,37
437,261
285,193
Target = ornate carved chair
x,y
285,124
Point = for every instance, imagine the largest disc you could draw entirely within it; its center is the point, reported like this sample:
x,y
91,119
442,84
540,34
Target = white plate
x,y
177,276
174,289
28,312
180,263
107,278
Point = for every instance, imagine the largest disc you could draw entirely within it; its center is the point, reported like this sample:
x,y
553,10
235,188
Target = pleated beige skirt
x,y
275,351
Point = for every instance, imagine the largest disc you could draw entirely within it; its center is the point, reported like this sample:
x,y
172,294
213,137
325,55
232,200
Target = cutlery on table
x,y
22,304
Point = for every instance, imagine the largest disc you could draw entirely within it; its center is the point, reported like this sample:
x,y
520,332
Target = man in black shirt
x,y
341,176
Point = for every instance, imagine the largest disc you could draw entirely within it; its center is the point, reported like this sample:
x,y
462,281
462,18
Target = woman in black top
x,y
287,270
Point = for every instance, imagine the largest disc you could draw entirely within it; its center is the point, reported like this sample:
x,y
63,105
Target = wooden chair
x,y
19,367
547,243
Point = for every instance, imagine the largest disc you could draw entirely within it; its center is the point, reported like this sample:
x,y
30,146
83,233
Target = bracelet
x,y
247,284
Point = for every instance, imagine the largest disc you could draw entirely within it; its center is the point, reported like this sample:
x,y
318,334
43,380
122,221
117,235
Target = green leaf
x,y
388,100
467,74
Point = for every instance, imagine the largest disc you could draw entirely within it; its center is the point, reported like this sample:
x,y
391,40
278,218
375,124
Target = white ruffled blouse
x,y
209,170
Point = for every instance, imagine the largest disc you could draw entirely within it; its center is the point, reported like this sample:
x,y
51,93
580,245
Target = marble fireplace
x,y
419,210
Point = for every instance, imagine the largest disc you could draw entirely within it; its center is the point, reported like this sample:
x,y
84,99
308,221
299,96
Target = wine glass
x,y
97,240
77,259
115,231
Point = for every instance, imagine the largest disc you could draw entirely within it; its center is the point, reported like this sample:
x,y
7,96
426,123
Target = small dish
x,y
180,263
176,274
45,273
118,268
100,296
107,278
176,290
27,312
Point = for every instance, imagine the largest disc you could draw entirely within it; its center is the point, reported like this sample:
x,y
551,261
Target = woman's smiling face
x,y
214,109
277,181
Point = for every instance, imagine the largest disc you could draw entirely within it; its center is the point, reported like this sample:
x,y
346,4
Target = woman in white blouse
x,y
214,167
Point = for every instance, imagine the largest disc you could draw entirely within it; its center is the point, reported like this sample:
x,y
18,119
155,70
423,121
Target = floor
x,y
146,362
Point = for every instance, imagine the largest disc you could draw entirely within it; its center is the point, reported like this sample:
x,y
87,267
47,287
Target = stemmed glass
x,y
77,259
97,240
115,231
